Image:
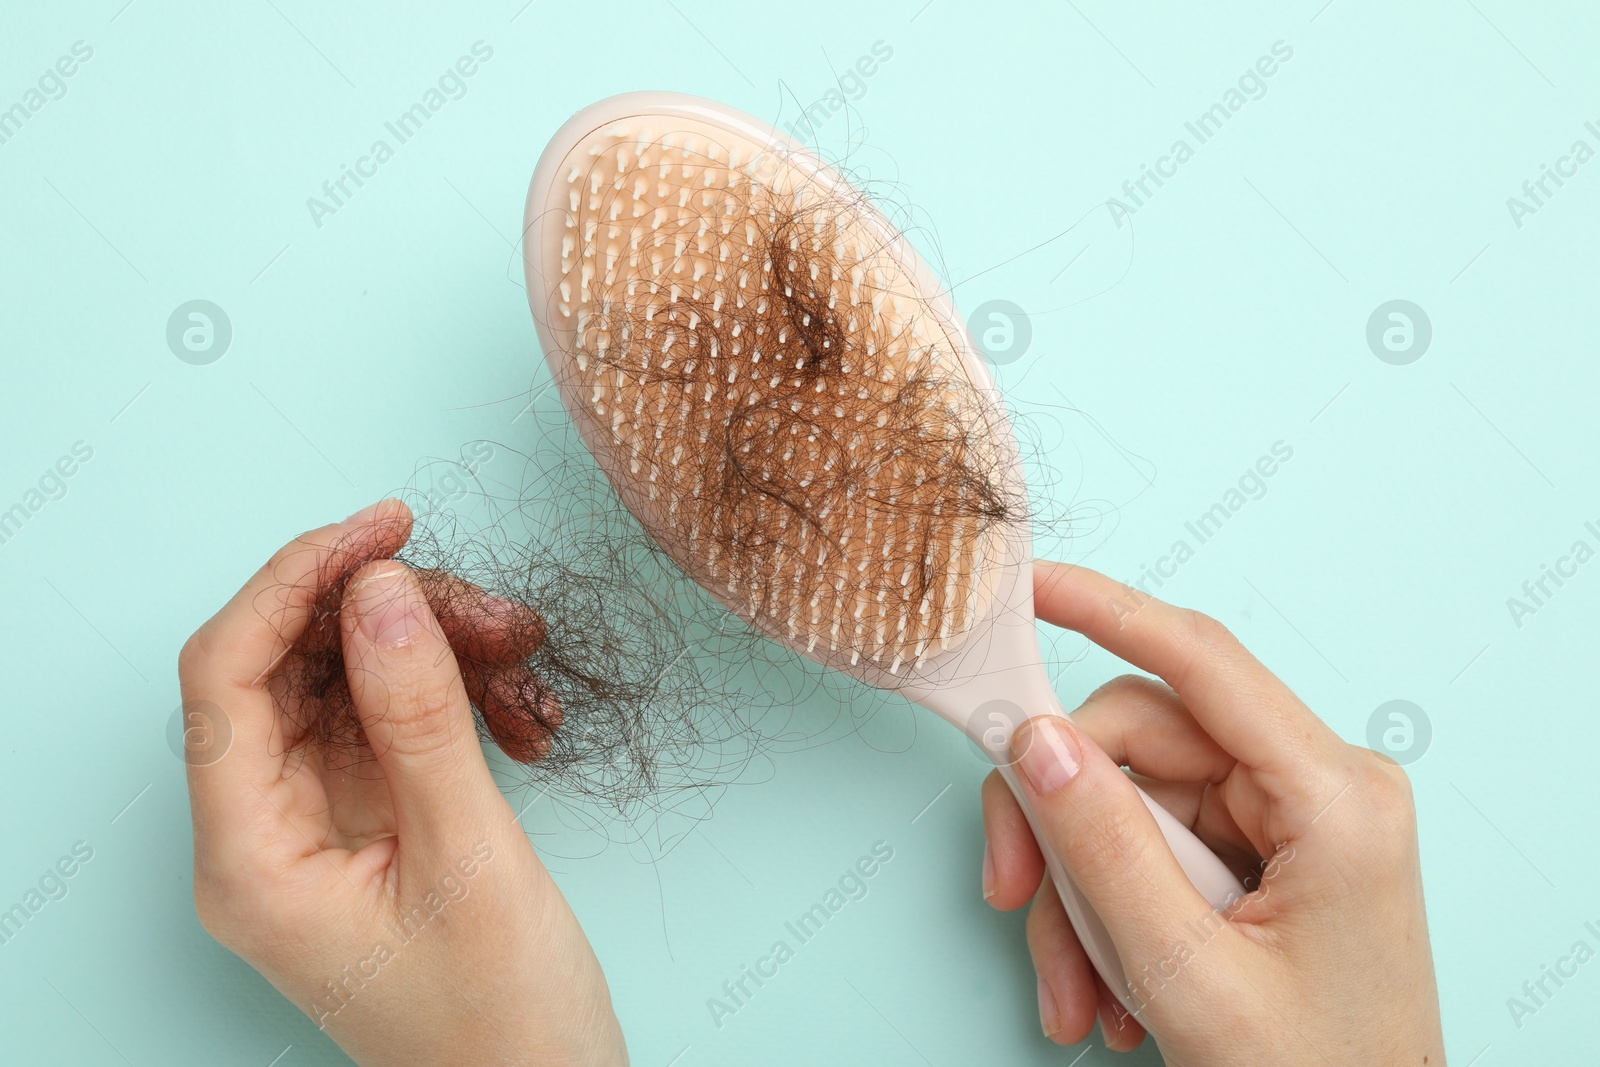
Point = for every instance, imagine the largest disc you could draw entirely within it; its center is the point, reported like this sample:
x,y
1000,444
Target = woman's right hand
x,y
1326,961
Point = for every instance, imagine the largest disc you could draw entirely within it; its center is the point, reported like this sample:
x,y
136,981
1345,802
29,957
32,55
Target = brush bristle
x,y
772,396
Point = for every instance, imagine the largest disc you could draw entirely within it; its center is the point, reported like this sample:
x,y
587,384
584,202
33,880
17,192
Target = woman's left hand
x,y
395,900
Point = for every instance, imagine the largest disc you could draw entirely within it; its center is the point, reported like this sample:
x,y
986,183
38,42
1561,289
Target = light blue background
x,y
1166,358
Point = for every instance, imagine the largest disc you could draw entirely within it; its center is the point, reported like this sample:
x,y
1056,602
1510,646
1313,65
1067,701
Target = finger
x,y
484,629
1141,724
1088,812
224,667
492,638
411,702
520,709
1067,996
243,641
1239,702
1013,865
1204,810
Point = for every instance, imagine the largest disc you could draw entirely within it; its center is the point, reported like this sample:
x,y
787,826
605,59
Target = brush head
x,y
772,381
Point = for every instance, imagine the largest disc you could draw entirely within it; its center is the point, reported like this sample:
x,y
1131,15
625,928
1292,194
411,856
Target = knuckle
x,y
1123,685
1398,778
295,550
1032,926
419,707
1038,930
1130,692
1207,632
296,569
1388,793
1200,638
194,654
1382,814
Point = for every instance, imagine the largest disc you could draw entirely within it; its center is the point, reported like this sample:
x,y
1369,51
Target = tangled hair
x,y
576,646
777,399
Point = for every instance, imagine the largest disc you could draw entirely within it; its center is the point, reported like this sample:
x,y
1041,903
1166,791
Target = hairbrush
x,y
781,392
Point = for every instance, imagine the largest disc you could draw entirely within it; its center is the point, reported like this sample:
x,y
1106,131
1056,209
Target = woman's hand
x,y
1326,961
394,899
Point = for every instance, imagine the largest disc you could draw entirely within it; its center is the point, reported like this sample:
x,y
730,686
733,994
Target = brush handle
x,y
1208,874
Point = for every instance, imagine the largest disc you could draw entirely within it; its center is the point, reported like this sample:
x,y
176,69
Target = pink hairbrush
x,y
783,394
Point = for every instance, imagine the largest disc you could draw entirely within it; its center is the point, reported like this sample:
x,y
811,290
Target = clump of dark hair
x,y
576,643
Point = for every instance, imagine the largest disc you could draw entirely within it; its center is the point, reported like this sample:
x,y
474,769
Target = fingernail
x,y
1049,753
367,514
388,608
988,871
1049,1018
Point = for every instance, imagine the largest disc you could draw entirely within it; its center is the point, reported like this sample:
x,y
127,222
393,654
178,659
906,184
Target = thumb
x,y
411,702
1087,812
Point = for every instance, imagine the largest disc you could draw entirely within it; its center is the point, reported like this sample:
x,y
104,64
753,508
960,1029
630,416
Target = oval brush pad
x,y
769,393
